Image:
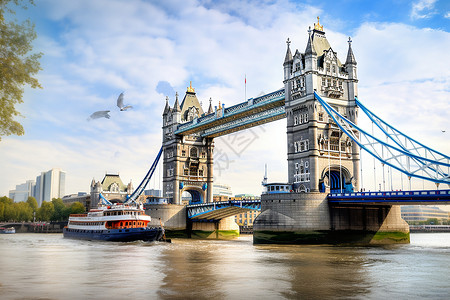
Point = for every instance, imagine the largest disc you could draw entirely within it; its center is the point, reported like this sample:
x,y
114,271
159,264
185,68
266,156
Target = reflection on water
x,y
46,266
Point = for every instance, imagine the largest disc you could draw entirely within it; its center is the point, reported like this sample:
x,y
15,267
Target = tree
x,y
45,212
32,202
58,214
17,66
77,208
24,211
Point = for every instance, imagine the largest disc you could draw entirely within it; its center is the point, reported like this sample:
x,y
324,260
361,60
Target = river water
x,y
47,266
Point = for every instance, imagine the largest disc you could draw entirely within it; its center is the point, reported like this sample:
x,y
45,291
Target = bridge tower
x,y
320,157
188,160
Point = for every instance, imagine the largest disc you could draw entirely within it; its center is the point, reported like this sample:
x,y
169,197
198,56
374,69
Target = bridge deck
x,y
219,210
425,197
261,110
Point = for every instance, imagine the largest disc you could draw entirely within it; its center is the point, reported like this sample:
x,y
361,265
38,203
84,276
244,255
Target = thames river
x,y
47,266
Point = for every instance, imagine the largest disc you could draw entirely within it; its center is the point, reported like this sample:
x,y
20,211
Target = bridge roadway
x,y
422,197
215,211
254,112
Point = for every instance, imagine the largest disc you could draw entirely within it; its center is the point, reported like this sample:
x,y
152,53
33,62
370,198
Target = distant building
x,y
222,190
112,188
22,191
82,197
246,197
48,185
246,219
417,213
153,192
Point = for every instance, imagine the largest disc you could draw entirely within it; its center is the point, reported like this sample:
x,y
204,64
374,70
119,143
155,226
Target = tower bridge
x,y
321,204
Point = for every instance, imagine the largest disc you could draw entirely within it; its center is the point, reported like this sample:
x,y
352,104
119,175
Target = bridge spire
x,y
288,57
350,57
310,50
167,107
210,109
176,106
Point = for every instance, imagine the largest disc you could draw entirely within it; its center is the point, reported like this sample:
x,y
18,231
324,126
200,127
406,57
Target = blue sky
x,y
94,50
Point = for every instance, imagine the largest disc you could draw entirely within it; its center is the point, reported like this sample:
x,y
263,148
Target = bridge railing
x,y
391,193
238,108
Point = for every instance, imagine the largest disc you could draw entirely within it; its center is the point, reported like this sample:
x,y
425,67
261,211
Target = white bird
x,y
120,103
100,114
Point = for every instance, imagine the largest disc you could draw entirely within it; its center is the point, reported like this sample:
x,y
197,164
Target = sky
x,y
94,50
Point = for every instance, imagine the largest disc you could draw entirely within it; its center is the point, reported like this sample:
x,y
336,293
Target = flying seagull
x,y
99,114
120,103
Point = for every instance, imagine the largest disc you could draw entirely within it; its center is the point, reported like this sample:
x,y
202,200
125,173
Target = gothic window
x,y
334,141
328,67
183,152
203,154
328,82
334,69
321,116
340,84
324,82
191,113
295,120
186,172
194,152
301,119
334,82
200,172
305,119
193,170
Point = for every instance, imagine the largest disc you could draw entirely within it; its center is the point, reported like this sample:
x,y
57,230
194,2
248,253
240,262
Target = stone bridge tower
x,y
320,157
188,160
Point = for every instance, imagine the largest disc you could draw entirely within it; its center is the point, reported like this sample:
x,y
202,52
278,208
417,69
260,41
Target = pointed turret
x,y
176,106
350,57
167,108
210,109
288,57
310,50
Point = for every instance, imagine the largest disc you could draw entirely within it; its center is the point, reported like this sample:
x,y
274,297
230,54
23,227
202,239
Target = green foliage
x,y
45,212
54,210
17,66
59,210
32,202
77,208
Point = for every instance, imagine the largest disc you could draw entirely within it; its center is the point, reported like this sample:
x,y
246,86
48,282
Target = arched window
x,y
193,152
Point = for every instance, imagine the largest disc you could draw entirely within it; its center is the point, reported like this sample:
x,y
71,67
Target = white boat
x,y
118,222
8,230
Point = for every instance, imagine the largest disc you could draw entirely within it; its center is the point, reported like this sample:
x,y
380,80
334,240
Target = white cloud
x,y
447,15
422,9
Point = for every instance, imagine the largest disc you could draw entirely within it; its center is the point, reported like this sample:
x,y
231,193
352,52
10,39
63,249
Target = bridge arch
x,y
197,194
337,178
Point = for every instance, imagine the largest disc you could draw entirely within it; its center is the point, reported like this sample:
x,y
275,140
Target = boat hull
x,y
117,235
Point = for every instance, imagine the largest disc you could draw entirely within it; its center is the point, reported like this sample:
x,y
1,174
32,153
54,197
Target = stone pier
x,y
306,218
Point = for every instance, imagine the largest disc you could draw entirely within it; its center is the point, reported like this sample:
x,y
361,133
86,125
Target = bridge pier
x,y
307,218
223,229
177,224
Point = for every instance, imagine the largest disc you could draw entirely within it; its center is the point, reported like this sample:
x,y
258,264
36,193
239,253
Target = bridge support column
x,y
306,218
223,229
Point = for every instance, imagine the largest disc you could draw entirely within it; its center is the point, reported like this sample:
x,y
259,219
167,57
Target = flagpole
x,y
245,87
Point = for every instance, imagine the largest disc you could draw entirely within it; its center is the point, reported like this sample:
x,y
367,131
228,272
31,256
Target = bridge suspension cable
x,y
140,189
409,157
